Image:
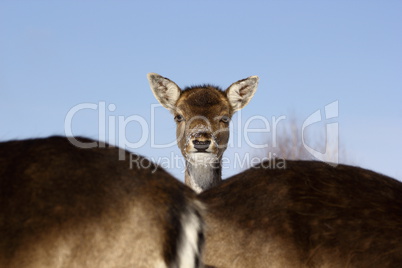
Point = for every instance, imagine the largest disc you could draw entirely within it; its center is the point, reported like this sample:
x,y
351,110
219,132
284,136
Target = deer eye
x,y
225,119
178,118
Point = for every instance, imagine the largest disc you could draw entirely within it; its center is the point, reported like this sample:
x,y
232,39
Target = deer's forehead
x,y
203,100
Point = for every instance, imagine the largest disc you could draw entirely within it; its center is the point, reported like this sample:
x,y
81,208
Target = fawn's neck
x,y
201,177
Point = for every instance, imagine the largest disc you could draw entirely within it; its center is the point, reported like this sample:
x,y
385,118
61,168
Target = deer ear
x,y
241,92
165,90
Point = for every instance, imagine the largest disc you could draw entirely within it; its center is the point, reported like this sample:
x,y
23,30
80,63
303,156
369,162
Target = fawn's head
x,y
202,114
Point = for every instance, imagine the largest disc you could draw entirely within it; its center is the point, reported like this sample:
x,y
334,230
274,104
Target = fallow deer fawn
x,y
202,114
62,207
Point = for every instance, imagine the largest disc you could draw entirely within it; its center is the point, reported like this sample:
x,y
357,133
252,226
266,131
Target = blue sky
x,y
55,55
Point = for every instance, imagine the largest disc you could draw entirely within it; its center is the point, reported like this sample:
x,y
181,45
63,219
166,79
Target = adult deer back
x,y
62,206
309,214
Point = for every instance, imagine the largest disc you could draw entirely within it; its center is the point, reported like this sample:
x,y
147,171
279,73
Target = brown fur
x,y
204,106
307,215
62,206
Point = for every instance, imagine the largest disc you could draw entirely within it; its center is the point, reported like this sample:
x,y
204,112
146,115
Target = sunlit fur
x,y
64,207
309,214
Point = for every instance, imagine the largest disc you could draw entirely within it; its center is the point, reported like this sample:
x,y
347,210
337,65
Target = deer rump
x,y
308,214
62,206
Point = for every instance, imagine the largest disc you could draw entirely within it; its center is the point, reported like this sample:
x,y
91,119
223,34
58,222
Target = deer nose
x,y
201,146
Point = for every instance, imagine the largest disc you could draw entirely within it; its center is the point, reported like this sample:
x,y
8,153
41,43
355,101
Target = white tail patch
x,y
191,238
